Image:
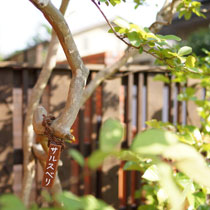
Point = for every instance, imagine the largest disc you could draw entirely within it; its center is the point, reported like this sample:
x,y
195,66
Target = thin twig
x,y
110,25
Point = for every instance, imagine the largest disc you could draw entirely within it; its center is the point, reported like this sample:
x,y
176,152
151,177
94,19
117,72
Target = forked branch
x,y
80,73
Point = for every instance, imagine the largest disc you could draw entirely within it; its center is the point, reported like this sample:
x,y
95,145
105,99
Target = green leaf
x,y
190,162
122,23
187,15
153,141
184,181
190,61
134,38
169,186
151,174
169,37
127,155
11,202
69,201
147,207
141,50
91,203
200,198
131,166
161,196
111,134
204,207
161,77
96,159
184,51
77,156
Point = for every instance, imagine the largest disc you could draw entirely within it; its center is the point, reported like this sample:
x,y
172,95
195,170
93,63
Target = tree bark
x,y
28,133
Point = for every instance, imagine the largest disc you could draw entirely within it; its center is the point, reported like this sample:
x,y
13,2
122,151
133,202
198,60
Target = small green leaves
x,y
188,94
114,2
77,156
134,38
169,37
161,77
111,134
187,7
190,61
153,141
184,51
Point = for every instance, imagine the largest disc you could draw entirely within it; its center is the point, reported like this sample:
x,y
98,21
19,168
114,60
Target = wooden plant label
x,y
51,165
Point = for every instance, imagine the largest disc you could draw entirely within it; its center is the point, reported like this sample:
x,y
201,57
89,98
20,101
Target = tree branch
x,y
107,72
80,73
28,133
164,16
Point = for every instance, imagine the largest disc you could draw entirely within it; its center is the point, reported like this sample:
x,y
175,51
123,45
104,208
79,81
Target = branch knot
x,y
42,3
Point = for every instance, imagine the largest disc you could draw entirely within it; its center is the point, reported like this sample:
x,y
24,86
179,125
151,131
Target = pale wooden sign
x,y
51,165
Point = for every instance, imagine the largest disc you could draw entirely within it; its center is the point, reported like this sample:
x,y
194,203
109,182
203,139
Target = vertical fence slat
x,y
129,102
166,111
98,180
122,176
87,145
75,169
130,92
17,131
144,101
139,99
184,109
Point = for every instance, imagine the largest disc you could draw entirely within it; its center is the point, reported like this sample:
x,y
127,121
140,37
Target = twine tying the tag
x,y
52,139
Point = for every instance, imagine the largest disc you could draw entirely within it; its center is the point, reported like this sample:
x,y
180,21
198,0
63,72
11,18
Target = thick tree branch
x,y
28,133
165,15
80,73
107,72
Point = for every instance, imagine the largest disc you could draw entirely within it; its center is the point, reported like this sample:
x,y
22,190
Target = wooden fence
x,y
131,96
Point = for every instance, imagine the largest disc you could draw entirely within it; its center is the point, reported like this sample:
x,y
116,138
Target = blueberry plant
x,y
172,159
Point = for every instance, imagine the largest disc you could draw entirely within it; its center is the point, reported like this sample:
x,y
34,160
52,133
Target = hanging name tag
x,y
51,165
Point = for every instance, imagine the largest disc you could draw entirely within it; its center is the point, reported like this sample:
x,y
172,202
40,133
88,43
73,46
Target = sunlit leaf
x,y
169,186
190,61
134,38
111,133
169,37
122,23
153,141
184,51
151,173
69,201
190,162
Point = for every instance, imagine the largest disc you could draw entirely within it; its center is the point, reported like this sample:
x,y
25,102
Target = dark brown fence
x,y
131,96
